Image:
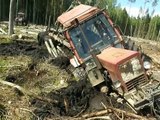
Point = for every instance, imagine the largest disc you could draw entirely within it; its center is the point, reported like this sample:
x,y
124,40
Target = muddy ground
x,y
24,63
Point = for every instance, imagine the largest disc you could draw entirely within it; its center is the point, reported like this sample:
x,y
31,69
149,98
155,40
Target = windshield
x,y
131,69
97,31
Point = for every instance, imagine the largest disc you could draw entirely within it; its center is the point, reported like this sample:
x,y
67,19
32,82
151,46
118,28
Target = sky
x,y
134,8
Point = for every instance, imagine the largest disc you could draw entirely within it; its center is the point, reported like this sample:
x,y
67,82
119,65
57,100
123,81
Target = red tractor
x,y
101,54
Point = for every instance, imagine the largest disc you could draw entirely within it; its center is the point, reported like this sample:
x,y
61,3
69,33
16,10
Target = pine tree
x,y
11,16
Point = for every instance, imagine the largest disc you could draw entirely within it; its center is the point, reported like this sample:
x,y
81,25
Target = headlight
x,y
147,65
116,84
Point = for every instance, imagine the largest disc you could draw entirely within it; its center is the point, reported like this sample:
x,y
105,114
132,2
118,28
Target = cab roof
x,y
79,12
112,57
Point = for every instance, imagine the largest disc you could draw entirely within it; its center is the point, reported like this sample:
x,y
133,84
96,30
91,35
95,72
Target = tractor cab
x,y
95,33
89,28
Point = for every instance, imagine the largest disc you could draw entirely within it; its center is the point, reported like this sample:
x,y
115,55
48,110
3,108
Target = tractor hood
x,y
111,58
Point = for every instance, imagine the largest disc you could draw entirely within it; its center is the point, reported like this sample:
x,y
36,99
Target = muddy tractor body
x,y
99,53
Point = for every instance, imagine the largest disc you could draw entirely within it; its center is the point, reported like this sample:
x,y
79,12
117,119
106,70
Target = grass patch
x,y
3,64
5,39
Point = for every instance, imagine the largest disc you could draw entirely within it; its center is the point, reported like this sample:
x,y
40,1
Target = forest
x,y
45,12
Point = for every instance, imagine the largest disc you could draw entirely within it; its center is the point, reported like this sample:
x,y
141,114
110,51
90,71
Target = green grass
x,y
3,66
5,39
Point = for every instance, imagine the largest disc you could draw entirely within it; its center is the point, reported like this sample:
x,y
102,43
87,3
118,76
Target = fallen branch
x,y
111,110
114,111
2,31
100,117
96,113
129,114
66,104
29,93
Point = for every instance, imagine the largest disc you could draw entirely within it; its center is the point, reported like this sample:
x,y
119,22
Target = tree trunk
x,y
17,7
34,11
54,13
61,7
0,9
46,16
149,31
37,18
11,16
158,37
154,31
26,9
49,21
